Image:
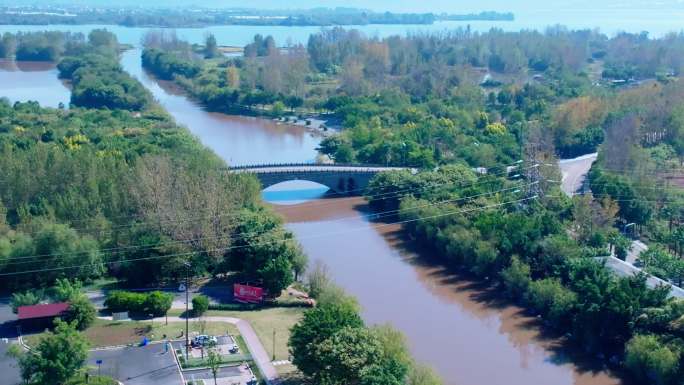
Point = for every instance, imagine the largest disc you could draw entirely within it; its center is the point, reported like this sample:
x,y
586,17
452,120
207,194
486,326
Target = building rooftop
x,y
42,310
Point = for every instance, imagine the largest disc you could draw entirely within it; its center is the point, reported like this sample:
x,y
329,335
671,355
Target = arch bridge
x,y
340,178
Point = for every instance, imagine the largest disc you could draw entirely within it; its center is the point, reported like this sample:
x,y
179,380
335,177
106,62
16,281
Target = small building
x,y
41,316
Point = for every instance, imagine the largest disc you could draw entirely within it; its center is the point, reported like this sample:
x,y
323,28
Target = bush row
x,y
155,302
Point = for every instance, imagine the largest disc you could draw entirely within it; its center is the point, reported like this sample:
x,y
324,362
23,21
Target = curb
x,y
21,341
180,371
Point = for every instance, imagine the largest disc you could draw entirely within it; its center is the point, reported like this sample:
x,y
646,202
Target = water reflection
x,y
35,81
294,192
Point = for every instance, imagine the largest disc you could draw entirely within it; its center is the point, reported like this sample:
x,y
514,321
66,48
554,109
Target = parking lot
x,y
230,375
147,365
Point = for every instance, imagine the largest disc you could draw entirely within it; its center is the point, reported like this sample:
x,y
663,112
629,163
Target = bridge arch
x,y
341,183
342,179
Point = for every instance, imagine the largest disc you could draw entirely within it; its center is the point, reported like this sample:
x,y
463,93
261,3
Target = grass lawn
x,y
93,380
264,321
110,333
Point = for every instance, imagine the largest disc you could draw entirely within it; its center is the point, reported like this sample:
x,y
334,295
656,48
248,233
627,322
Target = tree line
x,y
429,99
39,46
180,18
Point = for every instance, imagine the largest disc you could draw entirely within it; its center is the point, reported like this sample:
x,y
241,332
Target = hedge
x,y
155,302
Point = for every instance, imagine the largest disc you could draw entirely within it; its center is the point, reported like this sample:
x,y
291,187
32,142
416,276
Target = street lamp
x,y
187,314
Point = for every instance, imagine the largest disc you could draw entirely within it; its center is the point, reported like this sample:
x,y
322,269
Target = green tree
x,y
318,279
348,356
81,312
214,363
58,356
278,108
516,278
277,275
66,290
210,47
29,297
550,298
651,361
422,375
158,303
200,304
299,262
317,325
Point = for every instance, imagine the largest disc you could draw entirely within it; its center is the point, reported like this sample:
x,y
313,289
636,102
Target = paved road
x,y
625,269
575,171
637,248
147,365
9,372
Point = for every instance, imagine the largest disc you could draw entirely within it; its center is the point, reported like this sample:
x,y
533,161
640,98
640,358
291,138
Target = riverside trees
x,y
483,229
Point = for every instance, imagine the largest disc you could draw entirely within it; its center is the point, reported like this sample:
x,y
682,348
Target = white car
x,y
203,340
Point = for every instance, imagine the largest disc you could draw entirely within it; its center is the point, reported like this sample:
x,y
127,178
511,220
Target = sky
x,y
435,6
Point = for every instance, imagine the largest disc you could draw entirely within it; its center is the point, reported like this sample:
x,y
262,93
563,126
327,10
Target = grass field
x,y
264,321
111,333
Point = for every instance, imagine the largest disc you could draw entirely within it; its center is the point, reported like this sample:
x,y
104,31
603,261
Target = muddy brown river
x,y
459,327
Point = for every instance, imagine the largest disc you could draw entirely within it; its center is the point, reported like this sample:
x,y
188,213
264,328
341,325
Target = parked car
x,y
204,340
234,349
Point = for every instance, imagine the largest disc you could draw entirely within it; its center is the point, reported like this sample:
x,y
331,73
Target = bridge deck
x,y
314,168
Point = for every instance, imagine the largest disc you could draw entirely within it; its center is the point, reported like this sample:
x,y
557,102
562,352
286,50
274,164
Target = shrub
x,y
156,302
516,278
81,312
200,305
24,299
125,301
554,301
651,361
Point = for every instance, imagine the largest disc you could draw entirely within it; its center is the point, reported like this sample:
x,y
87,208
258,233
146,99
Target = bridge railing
x,y
274,165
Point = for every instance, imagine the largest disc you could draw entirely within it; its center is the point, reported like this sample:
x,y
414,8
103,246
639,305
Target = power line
x,y
387,195
239,236
329,193
279,241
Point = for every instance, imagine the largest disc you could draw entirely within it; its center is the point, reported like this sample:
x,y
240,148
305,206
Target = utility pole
x,y
187,314
274,337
